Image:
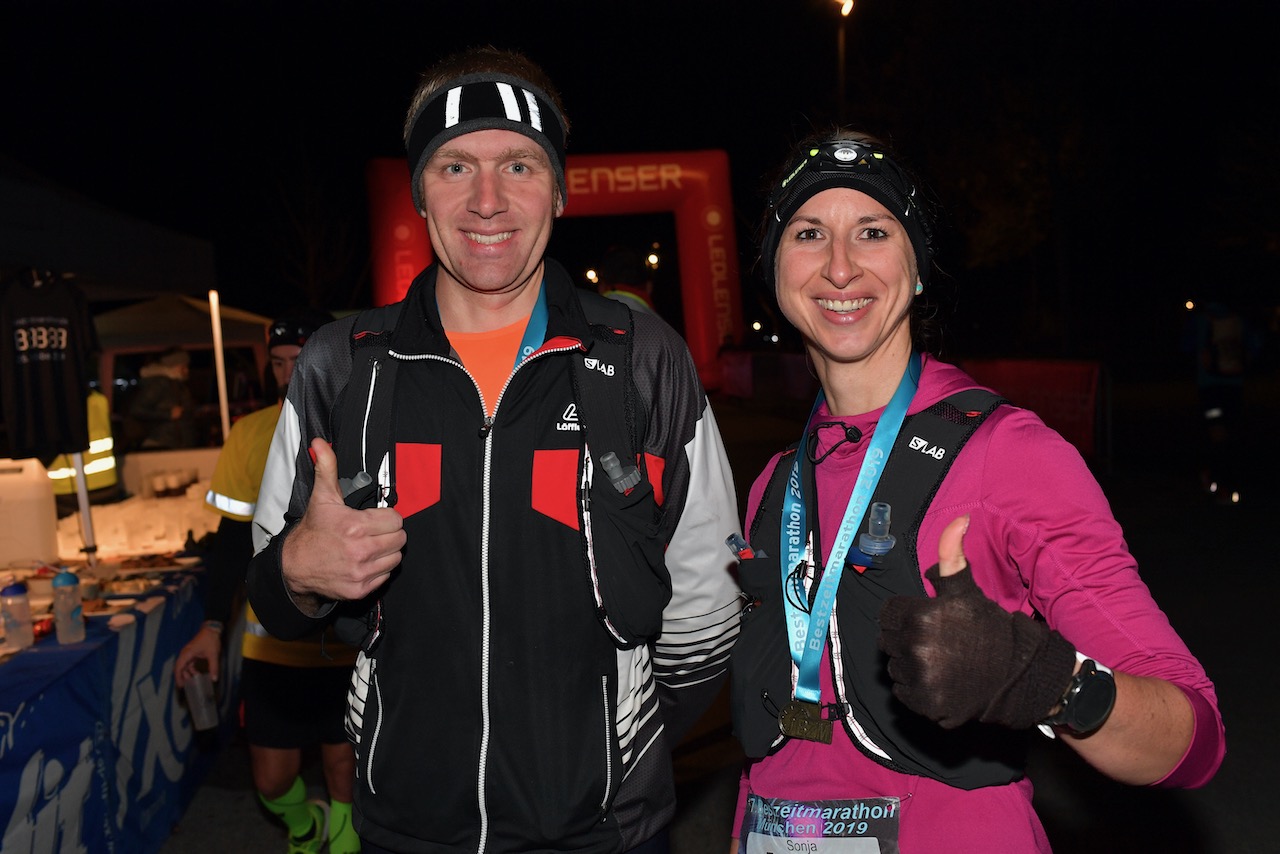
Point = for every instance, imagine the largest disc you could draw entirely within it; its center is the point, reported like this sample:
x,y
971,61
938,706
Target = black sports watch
x,y
1088,701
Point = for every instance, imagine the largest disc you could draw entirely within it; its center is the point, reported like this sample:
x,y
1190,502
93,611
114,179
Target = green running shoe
x,y
313,839
343,838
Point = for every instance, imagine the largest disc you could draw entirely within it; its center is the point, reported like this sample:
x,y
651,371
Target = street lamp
x,y
846,6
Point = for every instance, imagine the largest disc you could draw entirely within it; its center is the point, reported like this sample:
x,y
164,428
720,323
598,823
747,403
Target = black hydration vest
x,y
969,757
631,572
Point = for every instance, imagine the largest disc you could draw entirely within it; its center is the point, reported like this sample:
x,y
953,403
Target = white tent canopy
x,y
175,321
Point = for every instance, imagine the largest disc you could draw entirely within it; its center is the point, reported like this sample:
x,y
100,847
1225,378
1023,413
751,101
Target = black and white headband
x,y
485,101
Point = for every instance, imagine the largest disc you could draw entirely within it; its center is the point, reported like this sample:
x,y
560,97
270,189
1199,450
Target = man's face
x,y
283,358
490,201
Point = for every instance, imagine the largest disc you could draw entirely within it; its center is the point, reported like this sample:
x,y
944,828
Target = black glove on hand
x,y
961,657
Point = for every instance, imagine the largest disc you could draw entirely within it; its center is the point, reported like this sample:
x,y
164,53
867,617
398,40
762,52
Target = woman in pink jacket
x,y
934,577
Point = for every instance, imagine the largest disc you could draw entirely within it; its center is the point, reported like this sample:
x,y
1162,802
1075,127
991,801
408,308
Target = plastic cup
x,y
202,702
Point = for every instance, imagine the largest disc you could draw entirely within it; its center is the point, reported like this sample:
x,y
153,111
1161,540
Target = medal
x,y
804,720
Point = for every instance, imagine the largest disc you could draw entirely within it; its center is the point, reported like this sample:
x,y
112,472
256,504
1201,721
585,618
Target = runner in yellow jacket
x,y
293,693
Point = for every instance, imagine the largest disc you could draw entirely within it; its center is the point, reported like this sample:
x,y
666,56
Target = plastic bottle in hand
x,y
15,609
68,614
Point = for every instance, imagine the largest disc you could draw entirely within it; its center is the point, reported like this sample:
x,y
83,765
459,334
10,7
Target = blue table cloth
x,y
97,750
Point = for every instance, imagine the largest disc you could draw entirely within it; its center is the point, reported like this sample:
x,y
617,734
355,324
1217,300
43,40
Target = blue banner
x,y
97,752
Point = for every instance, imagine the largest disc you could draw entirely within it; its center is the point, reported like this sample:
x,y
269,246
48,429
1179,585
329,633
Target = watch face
x,y
1092,703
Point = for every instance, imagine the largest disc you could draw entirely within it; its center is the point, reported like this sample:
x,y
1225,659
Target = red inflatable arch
x,y
692,185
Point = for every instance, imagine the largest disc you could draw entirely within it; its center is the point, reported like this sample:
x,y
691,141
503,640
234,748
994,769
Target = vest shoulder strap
x,y
924,452
360,624
358,407
604,386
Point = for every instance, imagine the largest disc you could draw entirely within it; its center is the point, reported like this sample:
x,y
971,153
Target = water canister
x,y
29,511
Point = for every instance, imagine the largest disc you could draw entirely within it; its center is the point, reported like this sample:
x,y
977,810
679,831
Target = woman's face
x,y
846,276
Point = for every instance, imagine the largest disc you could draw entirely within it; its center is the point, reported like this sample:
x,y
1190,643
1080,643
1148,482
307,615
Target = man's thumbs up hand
x,y
960,657
325,489
336,552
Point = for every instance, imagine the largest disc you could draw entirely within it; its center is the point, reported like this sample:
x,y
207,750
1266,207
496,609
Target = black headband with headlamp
x,y
485,102
858,166
295,329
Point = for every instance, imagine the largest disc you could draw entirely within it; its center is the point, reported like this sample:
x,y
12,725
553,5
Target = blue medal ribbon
x,y
535,331
807,632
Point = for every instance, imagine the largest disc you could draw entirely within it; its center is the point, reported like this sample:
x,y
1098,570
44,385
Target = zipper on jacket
x,y
486,434
584,488
382,471
488,420
536,354
377,729
433,357
485,624
608,748
368,408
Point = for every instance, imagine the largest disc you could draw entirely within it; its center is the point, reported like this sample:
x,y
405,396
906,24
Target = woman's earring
x,y
919,288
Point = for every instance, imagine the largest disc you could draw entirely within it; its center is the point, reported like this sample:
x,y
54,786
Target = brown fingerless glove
x,y
961,657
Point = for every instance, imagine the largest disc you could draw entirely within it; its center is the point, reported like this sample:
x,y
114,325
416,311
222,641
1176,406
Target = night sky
x,y
1094,163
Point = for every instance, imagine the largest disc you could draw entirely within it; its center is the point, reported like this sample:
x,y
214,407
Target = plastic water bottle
x,y
68,615
15,609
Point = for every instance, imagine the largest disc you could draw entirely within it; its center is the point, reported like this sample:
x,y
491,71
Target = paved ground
x,y
1211,567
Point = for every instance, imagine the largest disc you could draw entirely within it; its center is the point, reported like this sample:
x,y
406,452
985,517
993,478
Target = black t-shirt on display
x,y
44,366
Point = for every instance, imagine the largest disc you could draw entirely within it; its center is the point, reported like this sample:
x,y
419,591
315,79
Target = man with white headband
x,y
526,522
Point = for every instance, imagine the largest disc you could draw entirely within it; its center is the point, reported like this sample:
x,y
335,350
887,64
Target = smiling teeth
x,y
844,304
489,239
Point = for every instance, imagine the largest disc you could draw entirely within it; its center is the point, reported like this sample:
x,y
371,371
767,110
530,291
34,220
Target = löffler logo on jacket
x,y
569,421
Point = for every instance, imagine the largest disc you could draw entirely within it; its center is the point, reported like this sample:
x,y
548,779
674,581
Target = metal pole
x,y
215,317
86,517
840,70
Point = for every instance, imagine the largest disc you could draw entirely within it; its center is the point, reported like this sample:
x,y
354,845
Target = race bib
x,y
781,826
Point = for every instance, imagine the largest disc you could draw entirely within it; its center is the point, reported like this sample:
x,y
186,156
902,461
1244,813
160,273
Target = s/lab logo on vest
x,y
597,365
923,446
569,421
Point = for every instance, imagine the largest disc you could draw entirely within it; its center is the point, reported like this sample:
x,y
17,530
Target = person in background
x,y
293,692
623,276
164,408
918,684
538,633
101,474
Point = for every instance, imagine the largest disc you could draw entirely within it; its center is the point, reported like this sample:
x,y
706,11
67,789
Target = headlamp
x,y
294,330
